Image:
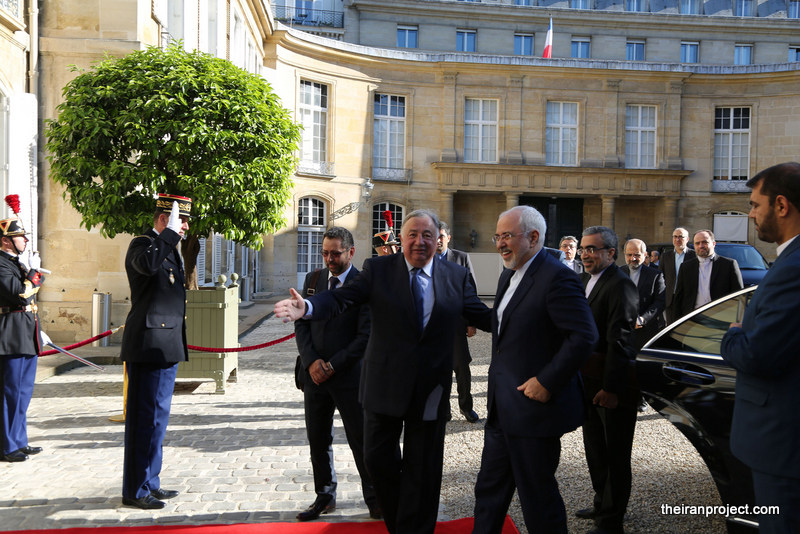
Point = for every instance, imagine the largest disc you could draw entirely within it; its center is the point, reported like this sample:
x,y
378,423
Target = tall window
x,y
794,54
389,127
743,54
310,227
690,52
690,7
379,223
523,2
636,5
581,47
523,44
314,118
480,130
407,36
794,9
634,50
743,8
561,136
731,143
580,4
465,40
640,137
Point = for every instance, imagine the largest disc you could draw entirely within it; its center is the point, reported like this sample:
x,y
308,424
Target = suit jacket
x,y
765,434
667,266
405,369
461,345
547,331
340,340
576,266
614,303
155,330
651,303
19,330
725,279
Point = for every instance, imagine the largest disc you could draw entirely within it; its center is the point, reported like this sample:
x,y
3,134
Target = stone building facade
x,y
640,144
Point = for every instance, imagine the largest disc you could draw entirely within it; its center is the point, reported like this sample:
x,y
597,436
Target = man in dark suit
x,y
331,353
705,277
569,246
763,350
542,332
610,391
152,345
20,341
650,285
461,355
407,371
670,265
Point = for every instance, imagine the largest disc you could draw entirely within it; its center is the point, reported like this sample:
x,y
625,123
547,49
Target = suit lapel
x,y
522,289
322,281
607,274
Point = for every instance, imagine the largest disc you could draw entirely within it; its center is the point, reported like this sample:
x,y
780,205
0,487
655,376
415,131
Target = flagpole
x,y
548,42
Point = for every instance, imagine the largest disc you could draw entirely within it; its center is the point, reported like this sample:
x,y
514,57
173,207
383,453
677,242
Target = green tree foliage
x,y
171,121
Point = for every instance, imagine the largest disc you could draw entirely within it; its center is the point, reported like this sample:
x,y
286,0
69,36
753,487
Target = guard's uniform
x,y
152,345
19,349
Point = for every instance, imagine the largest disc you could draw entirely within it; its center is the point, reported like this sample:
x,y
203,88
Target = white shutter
x,y
22,172
201,263
217,252
231,258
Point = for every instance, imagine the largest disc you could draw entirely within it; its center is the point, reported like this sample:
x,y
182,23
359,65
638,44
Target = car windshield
x,y
702,333
746,257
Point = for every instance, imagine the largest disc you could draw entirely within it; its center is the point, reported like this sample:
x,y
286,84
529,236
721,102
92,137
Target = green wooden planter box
x,y
212,320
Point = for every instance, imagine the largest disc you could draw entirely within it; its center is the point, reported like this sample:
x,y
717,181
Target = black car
x,y
684,378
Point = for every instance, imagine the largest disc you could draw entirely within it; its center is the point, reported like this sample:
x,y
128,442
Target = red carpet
x,y
459,526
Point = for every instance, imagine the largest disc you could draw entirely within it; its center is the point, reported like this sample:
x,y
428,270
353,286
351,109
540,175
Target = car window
x,y
746,257
702,332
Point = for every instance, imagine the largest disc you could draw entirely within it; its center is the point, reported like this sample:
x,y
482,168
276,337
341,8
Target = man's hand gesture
x,y
291,309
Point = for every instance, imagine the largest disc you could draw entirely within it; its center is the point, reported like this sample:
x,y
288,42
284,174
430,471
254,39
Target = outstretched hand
x,y
291,309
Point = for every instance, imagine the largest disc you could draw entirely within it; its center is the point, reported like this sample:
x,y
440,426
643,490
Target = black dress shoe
x,y
586,513
27,449
162,493
148,502
375,512
322,505
470,415
16,456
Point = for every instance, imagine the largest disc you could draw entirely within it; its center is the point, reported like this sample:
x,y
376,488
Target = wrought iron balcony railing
x,y
385,174
308,17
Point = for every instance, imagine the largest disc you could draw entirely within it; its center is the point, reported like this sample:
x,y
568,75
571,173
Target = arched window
x,y
311,217
379,223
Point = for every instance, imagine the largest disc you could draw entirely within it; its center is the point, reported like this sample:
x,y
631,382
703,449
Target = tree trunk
x,y
190,248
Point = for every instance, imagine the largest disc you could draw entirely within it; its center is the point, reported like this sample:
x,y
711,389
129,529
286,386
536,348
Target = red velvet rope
x,y
191,347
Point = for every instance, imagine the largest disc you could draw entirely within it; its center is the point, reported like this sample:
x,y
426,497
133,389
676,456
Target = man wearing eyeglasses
x,y
609,387
670,265
542,332
331,352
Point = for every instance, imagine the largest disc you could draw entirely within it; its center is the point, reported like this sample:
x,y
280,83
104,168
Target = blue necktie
x,y
419,300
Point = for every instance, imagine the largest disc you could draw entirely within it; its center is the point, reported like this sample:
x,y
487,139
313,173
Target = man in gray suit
x,y
569,246
461,355
670,265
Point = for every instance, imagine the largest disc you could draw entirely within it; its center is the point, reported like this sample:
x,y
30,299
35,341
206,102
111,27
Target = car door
x,y
684,378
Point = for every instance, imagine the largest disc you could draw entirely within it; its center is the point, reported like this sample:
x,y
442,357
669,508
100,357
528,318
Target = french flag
x,y
548,41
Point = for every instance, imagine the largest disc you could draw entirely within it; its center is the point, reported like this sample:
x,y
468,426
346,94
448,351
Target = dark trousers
x,y
607,441
320,402
784,492
461,360
527,464
150,388
17,375
407,487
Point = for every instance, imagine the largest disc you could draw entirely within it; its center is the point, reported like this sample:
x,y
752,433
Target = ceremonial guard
x,y
20,340
153,344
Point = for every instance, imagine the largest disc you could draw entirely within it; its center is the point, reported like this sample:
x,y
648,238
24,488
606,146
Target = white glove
x,y
45,338
35,261
175,222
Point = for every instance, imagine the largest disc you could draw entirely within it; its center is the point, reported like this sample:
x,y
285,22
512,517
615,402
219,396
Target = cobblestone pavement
x,y
242,457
